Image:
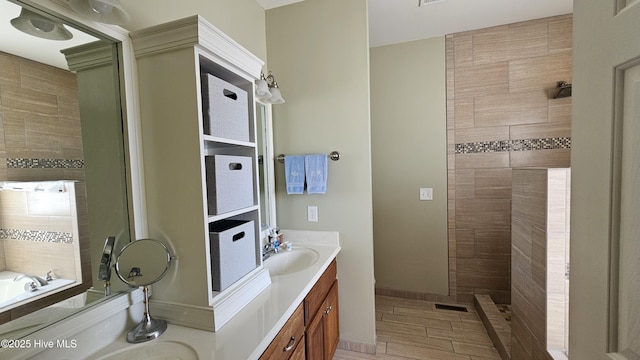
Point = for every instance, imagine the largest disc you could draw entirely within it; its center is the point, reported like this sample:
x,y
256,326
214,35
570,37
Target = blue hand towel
x,y
294,173
316,169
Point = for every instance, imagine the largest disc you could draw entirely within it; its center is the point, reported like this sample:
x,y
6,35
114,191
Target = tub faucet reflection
x,y
36,279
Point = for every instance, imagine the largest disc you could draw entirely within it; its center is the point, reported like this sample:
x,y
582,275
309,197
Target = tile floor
x,y
415,329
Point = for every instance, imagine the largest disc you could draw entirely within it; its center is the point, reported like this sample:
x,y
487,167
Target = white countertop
x,y
250,332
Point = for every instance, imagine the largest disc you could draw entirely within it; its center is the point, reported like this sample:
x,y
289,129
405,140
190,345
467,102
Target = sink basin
x,y
289,262
159,350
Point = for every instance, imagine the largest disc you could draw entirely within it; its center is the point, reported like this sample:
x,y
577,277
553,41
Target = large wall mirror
x,y
266,164
65,185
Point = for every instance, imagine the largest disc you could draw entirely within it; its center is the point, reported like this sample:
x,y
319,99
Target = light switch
x,y
312,213
426,193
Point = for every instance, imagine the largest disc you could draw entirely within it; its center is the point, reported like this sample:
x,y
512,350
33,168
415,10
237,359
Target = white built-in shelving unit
x,y
171,59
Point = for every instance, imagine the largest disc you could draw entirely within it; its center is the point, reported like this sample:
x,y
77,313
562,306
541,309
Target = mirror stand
x,y
142,263
149,328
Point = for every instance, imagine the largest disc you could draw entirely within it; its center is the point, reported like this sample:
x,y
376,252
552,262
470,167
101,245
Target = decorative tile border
x,y
36,235
513,145
22,163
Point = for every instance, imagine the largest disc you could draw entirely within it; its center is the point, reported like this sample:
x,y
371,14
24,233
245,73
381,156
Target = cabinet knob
x,y
291,345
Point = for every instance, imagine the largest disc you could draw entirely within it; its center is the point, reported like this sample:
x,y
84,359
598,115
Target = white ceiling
x,y
390,22
395,21
15,42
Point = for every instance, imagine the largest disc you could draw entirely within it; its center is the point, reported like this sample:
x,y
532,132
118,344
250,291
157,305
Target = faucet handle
x,y
30,286
48,276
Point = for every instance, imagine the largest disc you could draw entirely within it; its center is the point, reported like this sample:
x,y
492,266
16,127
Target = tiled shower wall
x,y
40,133
40,136
500,116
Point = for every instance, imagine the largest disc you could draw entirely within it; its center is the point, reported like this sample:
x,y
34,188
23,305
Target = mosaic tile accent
x,y
483,147
513,145
21,163
36,235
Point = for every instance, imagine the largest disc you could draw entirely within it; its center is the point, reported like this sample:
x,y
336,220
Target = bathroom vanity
x,y
306,294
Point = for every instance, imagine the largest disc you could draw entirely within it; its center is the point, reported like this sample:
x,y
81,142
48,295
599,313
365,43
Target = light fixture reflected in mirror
x,y
104,11
267,89
37,25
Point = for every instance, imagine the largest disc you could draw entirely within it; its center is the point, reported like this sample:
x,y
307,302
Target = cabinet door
x,y
331,322
315,338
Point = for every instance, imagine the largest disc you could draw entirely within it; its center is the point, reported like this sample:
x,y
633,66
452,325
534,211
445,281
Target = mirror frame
x,y
136,201
268,161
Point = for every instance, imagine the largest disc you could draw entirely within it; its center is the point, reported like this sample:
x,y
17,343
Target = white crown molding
x,y
196,31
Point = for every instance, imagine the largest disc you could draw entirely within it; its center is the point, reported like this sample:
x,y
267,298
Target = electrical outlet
x,y
312,213
426,193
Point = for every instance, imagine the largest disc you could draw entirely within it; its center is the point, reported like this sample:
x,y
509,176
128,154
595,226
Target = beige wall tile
x,y
541,158
451,84
540,131
493,244
13,202
494,214
25,222
493,183
9,69
482,160
39,258
505,44
484,267
463,50
450,115
560,110
463,110
68,106
511,109
13,128
34,174
478,134
51,83
56,79
561,34
539,258
539,74
465,245
24,100
482,80
465,184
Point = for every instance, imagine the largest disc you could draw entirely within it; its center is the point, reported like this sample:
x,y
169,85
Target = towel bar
x,y
334,155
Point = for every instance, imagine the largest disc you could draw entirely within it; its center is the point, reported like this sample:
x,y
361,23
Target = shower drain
x,y
451,307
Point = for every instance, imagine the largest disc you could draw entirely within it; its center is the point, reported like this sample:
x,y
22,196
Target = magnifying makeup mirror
x,y
142,263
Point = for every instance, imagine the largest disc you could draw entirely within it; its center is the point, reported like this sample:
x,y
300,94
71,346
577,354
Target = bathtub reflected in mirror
x,y
62,124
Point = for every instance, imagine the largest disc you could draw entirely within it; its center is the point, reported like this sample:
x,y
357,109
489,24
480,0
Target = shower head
x,y
562,90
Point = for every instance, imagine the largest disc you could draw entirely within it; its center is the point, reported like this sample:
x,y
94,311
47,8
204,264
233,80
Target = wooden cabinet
x,y
323,332
313,331
321,317
289,343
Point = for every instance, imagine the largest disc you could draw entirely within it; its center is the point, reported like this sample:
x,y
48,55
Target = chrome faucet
x,y
104,272
36,279
270,248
